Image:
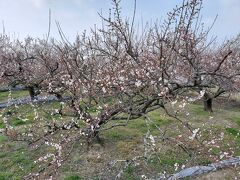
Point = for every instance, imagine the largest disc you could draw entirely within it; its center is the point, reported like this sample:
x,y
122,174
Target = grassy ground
x,y
4,96
218,134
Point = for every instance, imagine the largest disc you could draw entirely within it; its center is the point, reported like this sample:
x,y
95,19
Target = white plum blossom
x,y
104,90
202,93
152,140
138,83
121,78
25,119
174,102
183,166
182,105
176,165
195,131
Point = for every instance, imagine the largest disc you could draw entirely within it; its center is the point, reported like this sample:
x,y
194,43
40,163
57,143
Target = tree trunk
x,y
59,96
31,92
207,99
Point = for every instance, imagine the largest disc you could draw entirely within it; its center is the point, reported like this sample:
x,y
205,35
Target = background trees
x,y
220,71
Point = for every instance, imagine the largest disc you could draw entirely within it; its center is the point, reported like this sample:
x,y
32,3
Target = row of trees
x,y
125,72
138,71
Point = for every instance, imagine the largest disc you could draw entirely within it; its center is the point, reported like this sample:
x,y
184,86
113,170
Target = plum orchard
x,y
122,73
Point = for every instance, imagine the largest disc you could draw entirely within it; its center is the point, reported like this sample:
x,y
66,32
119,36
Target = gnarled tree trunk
x,y
207,100
31,91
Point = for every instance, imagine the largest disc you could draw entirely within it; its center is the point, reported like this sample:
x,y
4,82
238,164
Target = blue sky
x,y
30,17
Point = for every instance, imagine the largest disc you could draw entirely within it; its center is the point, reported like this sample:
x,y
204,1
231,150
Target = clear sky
x,y
30,17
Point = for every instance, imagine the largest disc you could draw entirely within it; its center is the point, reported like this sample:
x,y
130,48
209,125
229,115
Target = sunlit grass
x,y
4,96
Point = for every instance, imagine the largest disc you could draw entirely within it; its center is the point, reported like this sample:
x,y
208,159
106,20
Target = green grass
x,y
19,121
2,125
16,163
237,120
25,114
166,161
4,96
121,133
6,176
158,120
3,138
198,110
233,132
129,173
17,159
215,151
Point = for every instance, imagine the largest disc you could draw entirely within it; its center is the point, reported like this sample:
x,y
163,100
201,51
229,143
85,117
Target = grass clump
x,y
3,138
121,133
237,120
73,177
2,125
129,173
4,96
20,121
233,132
6,176
198,110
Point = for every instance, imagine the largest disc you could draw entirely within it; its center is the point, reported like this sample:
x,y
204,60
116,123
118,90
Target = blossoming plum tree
x,y
122,74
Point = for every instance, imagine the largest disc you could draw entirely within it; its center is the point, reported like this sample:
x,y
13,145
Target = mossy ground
x,y
125,143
